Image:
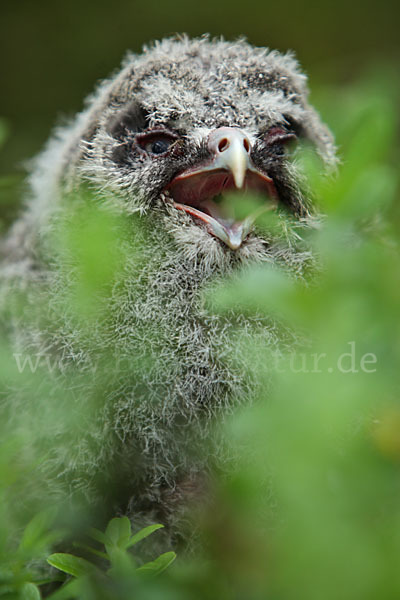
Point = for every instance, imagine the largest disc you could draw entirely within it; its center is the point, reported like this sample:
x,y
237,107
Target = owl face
x,y
191,122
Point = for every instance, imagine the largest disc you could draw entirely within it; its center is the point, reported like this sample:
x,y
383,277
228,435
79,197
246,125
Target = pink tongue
x,y
197,188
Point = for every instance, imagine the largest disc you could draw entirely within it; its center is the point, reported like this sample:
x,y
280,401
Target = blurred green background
x,y
52,53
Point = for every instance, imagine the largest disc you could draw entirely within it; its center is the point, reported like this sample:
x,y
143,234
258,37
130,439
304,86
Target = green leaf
x,y
122,563
30,591
73,565
118,532
91,550
6,575
7,589
257,289
69,590
36,532
158,565
98,535
143,533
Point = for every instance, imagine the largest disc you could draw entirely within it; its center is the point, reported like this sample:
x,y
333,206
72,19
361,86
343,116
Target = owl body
x,y
177,127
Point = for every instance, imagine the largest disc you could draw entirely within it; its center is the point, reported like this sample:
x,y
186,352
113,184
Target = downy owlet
x,y
163,142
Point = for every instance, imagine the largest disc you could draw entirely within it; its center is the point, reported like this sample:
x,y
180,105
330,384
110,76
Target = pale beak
x,y
231,149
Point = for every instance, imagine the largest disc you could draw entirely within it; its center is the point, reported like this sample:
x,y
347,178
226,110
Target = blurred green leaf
x,y
30,591
122,563
36,533
118,533
72,589
158,565
72,565
143,533
98,535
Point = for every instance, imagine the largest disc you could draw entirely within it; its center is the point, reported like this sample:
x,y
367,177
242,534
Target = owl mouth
x,y
200,194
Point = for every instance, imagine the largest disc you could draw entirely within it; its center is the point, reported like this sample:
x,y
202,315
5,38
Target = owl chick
x,y
178,129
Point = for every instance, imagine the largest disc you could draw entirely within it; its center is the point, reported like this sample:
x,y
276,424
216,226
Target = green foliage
x,y
122,567
88,241
324,445
72,565
19,578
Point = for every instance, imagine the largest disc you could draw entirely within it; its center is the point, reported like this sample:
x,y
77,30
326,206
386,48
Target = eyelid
x,y
279,135
154,133
146,137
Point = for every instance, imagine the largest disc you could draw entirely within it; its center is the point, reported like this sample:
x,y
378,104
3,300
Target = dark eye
x,y
156,142
158,146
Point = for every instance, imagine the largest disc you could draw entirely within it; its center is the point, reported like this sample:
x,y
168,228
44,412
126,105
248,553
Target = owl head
x,y
190,122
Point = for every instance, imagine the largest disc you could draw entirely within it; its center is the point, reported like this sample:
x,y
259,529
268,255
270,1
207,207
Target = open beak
x,y
230,168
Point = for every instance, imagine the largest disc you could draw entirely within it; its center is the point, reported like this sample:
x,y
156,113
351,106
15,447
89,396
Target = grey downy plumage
x,y
184,116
